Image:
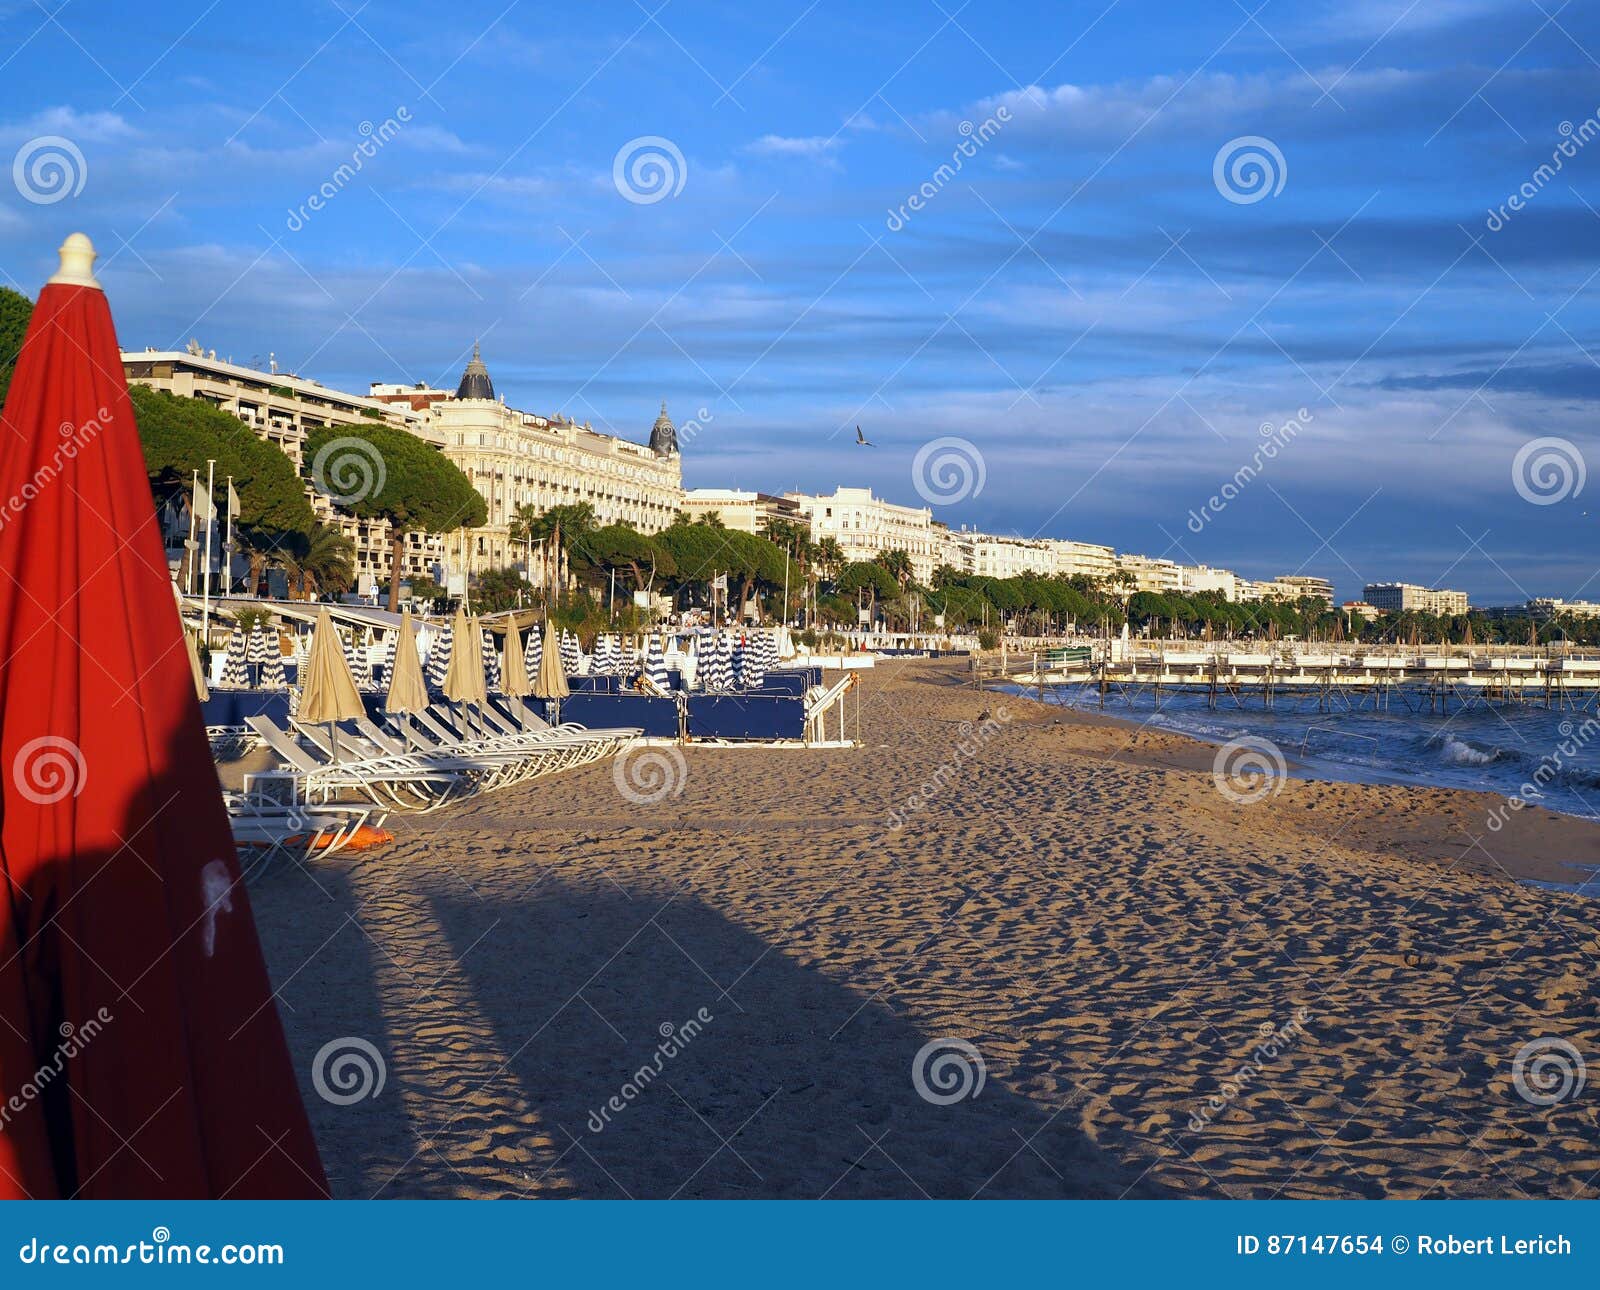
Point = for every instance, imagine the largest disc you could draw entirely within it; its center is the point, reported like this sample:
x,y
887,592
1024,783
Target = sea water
x,y
1539,755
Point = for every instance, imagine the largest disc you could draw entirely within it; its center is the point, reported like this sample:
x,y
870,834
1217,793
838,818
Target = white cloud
x,y
814,147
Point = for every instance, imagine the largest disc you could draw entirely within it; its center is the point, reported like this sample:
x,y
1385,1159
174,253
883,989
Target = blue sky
x,y
1081,301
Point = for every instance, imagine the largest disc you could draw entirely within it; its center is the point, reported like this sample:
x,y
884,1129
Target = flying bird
x,y
862,439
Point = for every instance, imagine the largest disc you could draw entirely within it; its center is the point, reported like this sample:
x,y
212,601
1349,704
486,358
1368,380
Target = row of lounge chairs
x,y
423,760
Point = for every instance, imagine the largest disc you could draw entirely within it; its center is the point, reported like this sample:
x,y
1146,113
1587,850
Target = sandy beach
x,y
1164,992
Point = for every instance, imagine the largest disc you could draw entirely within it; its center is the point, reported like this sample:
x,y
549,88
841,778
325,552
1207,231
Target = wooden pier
x,y
1436,681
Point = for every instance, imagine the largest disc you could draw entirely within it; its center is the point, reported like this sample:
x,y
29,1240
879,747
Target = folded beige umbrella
x,y
463,682
200,687
551,682
327,690
514,667
407,691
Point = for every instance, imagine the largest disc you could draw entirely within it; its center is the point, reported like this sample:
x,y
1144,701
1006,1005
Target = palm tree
x,y
323,561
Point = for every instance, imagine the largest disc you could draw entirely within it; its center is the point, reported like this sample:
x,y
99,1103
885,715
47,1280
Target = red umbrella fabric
x,y
141,1053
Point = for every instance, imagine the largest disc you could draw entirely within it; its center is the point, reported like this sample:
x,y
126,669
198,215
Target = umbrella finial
x,y
77,263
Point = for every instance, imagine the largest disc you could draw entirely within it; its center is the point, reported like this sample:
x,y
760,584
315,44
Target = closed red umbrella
x,y
140,1049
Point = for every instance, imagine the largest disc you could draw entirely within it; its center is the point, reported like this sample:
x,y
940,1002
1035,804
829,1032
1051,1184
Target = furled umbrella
x,y
571,655
534,654
655,663
126,923
255,652
439,656
463,683
328,693
753,663
407,691
272,677
235,673
490,658
355,657
386,664
550,683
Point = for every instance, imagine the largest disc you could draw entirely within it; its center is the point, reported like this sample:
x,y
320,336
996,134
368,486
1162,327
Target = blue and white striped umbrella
x,y
272,677
385,672
533,651
235,675
721,660
752,663
256,649
356,658
571,655
769,651
607,654
491,661
655,662
439,656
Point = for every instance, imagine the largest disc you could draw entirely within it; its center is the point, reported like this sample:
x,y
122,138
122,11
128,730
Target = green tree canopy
x,y
15,311
378,472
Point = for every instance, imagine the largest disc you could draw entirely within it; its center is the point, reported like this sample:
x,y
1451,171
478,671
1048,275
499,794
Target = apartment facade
x,y
741,511
1295,586
283,409
1401,597
864,525
1547,607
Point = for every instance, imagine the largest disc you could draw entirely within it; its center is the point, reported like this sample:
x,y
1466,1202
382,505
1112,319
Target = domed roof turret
x,y
664,435
475,382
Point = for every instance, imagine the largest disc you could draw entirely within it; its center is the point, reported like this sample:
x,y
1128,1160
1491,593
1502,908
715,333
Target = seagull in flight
x,y
862,439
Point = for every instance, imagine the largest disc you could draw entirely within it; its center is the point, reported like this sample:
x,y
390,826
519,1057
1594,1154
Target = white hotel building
x,y
519,459
864,525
